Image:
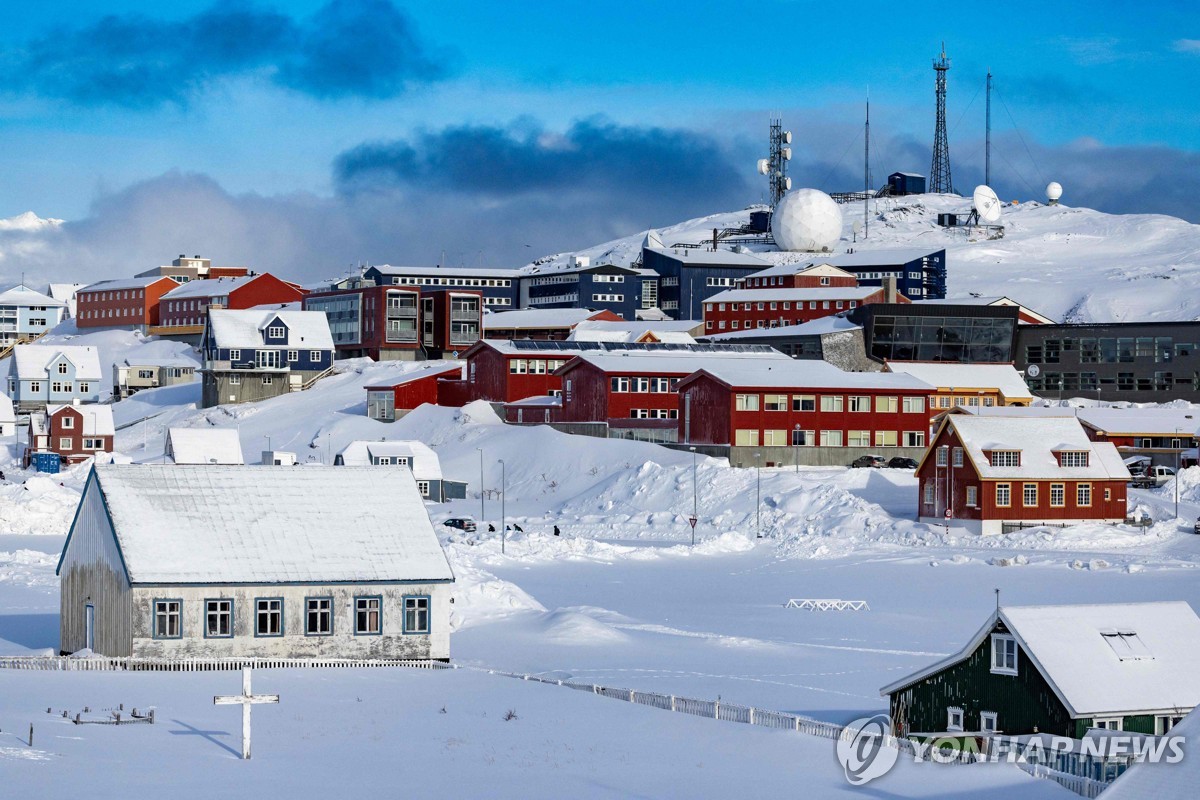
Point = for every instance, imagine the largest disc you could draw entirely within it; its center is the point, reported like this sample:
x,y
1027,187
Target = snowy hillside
x,y
1069,263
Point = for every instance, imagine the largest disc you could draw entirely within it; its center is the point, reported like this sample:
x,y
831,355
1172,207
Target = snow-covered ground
x,y
621,598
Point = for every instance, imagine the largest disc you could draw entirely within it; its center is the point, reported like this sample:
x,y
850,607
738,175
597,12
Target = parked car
x,y
1152,477
462,523
869,461
1197,528
902,462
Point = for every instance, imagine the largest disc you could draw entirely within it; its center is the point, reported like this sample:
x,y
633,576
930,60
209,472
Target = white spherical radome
x,y
806,220
1053,190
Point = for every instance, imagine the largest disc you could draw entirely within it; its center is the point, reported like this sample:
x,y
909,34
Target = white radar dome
x,y
806,220
1053,191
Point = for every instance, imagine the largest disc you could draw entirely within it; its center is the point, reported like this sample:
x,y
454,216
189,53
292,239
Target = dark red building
x,y
996,474
74,432
185,308
799,276
128,302
762,403
390,401
503,372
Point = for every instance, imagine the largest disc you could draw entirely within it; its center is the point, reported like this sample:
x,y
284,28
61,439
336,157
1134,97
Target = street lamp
x,y
796,450
482,514
503,494
1178,455
695,498
758,495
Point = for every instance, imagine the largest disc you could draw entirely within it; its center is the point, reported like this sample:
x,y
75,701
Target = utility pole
x,y
758,495
695,498
482,508
503,514
987,138
867,169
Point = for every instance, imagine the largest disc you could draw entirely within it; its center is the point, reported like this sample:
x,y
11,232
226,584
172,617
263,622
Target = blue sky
x,y
507,130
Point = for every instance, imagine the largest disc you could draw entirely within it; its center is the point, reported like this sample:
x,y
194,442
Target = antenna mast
x,y
939,172
867,169
776,166
987,139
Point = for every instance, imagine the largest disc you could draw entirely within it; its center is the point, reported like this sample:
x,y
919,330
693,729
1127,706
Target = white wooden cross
x,y
245,700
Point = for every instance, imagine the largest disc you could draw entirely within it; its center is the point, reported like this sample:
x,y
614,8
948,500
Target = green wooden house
x,y
1060,670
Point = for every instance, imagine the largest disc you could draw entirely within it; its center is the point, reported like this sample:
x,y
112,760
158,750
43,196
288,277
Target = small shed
x,y
410,455
906,183
204,446
221,561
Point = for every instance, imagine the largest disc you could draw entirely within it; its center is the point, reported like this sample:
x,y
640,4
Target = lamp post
x,y
503,495
482,512
796,451
695,498
268,438
758,495
1178,455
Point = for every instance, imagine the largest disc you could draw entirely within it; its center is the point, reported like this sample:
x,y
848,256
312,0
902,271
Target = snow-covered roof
x,y
160,361
790,373
670,362
1038,439
265,525
244,328
97,419
64,291
994,300
425,465
1114,658
209,287
31,361
447,272
909,174
639,326
893,256
22,295
537,401
788,294
967,377
6,409
1163,781
814,327
801,268
537,318
1181,422
428,369
566,350
699,255
204,446
125,283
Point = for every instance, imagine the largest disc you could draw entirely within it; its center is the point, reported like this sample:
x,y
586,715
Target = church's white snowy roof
x,y
264,525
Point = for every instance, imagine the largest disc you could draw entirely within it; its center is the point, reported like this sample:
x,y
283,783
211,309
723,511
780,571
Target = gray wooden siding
x,y
342,643
92,572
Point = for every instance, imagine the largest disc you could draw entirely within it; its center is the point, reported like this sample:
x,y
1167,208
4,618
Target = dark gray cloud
x,y
348,48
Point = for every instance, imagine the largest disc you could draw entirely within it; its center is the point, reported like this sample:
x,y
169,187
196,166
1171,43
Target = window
x,y
423,488
314,356
318,616
745,437
973,496
267,380
1058,494
268,616
1003,495
1083,495
293,356
1108,723
67,422
1163,723
774,438
1006,458
943,457
831,438
218,619
619,384
168,619
1073,458
1127,645
235,355
831,402
988,721
775,402
914,438
928,494
62,368
886,405
746,402
1107,494
804,402
885,438
954,719
275,332
1004,654
235,380
93,444
913,405
958,456
858,438
803,438
64,443
416,615
1029,495
860,403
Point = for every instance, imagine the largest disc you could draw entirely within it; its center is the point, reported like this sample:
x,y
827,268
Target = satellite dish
x,y
987,204
1053,192
787,137
857,227
787,153
764,166
787,184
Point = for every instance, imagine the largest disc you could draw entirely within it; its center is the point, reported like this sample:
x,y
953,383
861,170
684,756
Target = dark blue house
x,y
690,275
906,183
920,274
252,355
600,287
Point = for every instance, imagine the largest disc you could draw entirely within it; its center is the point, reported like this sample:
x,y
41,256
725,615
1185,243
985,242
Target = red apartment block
x,y
124,303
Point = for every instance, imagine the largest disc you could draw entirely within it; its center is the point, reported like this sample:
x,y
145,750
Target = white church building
x,y
213,561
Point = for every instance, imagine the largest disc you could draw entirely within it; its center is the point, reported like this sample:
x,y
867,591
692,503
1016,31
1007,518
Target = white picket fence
x,y
111,664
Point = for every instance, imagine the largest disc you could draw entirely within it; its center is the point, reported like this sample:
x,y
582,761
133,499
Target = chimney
x,y
889,289
714,240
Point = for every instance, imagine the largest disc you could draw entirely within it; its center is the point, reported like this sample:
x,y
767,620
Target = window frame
x,y
404,600
984,717
357,611
1079,489
952,713
258,634
1007,638
1007,487
1026,489
208,611
308,612
178,601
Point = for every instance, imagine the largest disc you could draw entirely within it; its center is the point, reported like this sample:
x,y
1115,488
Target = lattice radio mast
x,y
939,172
775,165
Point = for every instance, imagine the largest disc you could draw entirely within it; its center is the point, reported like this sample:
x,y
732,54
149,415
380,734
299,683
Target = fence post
x,y
672,702
751,715
595,688
631,695
716,709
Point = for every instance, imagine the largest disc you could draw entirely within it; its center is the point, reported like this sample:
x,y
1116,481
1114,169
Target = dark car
x,y
868,461
462,523
1197,528
901,462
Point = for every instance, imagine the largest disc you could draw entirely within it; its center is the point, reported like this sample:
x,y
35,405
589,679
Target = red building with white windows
x,y
503,372
74,432
388,402
124,303
994,474
799,276
184,309
763,403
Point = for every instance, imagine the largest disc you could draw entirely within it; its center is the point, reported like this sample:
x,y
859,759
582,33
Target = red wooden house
x,y
992,474
124,303
502,372
800,276
390,401
184,309
74,432
763,403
